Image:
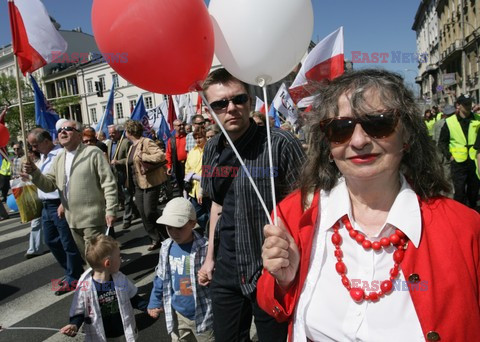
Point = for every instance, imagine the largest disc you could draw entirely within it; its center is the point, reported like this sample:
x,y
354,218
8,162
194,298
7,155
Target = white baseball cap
x,y
177,213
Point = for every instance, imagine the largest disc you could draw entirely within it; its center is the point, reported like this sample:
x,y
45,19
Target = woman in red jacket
x,y
368,249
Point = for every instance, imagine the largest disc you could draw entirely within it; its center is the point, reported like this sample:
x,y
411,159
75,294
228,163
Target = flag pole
x,y
103,120
118,147
20,105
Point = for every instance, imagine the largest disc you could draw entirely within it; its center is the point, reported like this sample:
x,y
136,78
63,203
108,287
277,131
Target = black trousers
x,y
147,205
465,182
232,311
4,186
179,173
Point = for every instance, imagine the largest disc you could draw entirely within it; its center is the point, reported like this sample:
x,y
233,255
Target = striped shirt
x,y
16,166
190,144
288,158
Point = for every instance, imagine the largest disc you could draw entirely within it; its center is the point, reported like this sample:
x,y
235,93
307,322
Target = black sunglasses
x,y
67,129
236,100
340,129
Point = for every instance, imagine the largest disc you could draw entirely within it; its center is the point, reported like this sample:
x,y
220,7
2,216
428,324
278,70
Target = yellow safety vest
x,y
458,142
5,169
439,116
429,124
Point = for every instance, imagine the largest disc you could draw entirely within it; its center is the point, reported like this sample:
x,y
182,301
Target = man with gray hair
x,y
56,231
198,122
86,184
117,152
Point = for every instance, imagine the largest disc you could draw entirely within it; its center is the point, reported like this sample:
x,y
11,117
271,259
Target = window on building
x,y
89,86
62,88
148,102
115,80
102,79
104,108
119,109
133,103
72,83
93,114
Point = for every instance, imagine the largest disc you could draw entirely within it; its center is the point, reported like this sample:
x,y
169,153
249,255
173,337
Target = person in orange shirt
x,y
176,153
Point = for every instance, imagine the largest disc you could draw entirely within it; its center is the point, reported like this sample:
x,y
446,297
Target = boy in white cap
x,y
187,306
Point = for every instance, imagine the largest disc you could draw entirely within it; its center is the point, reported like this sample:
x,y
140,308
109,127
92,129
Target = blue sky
x,y
369,26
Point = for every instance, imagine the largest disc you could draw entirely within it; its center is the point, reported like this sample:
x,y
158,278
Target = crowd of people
x,y
454,130
361,250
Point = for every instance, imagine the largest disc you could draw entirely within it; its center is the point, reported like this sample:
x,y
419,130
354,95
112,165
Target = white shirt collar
x,y
404,213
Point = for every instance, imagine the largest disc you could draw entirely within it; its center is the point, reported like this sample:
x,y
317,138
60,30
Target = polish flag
x,y
283,103
259,106
35,39
172,116
324,62
199,105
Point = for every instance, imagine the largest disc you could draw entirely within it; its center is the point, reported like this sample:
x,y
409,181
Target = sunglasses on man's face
x,y
67,129
236,100
339,130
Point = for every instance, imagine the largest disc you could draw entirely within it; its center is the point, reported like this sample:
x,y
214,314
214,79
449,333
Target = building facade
x,y
448,29
426,26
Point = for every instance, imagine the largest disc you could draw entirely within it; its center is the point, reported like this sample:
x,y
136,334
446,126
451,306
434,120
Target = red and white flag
x,y
199,109
324,62
172,115
35,40
259,106
283,103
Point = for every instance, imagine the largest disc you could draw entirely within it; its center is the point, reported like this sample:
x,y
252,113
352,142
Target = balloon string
x,y
270,159
260,198
34,328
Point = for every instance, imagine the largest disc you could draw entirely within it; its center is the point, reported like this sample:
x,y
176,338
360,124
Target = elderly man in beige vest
x,y
87,186
117,155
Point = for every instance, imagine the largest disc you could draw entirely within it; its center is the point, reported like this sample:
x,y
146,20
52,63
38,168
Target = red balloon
x,y
163,46
4,135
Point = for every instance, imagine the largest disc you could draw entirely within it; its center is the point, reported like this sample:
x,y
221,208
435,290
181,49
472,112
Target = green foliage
x,y
8,97
61,105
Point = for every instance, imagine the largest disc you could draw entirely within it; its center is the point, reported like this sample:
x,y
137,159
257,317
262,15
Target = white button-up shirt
x,y
68,169
325,311
45,165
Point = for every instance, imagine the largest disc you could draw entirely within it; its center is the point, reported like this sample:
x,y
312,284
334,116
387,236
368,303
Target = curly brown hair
x,y
134,128
420,163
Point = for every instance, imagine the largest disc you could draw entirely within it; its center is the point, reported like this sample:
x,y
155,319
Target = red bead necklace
x,y
398,239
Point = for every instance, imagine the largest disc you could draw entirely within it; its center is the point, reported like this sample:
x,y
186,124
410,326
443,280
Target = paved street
x,y
26,297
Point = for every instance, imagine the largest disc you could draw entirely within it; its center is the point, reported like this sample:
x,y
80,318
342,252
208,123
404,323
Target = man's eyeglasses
x,y
199,123
67,129
236,100
88,141
339,130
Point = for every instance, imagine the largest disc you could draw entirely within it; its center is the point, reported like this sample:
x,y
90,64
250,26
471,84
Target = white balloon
x,y
261,41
